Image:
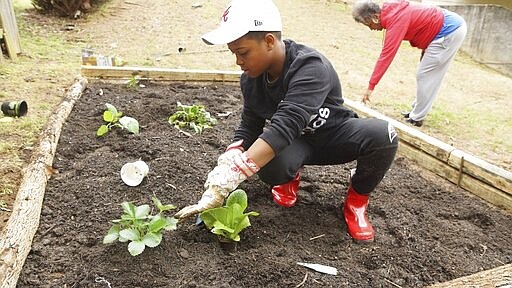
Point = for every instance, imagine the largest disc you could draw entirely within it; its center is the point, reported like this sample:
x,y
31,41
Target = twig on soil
x,y
394,284
186,133
316,237
303,281
48,230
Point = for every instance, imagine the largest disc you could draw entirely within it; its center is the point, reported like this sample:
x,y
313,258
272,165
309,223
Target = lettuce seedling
x,y
193,116
229,220
139,227
115,118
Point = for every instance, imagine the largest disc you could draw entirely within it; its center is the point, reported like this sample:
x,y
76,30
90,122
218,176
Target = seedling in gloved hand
x,y
229,220
139,227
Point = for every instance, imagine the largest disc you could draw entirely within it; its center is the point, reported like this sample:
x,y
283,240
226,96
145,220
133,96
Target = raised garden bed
x,y
427,230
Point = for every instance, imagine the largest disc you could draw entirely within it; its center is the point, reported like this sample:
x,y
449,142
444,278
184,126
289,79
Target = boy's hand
x,y
221,181
229,175
234,149
213,197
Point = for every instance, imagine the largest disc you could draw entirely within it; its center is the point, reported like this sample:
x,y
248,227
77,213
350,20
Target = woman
x,y
437,32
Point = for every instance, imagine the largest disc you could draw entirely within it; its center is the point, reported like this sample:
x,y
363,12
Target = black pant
x,y
371,142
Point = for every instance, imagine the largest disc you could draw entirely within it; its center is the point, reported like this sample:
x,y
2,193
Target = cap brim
x,y
222,35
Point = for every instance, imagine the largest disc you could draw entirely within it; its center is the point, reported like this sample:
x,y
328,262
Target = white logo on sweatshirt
x,y
391,133
317,120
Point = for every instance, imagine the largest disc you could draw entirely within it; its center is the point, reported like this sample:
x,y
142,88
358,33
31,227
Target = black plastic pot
x,y
15,108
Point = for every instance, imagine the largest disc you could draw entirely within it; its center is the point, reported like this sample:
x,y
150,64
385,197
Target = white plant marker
x,y
320,268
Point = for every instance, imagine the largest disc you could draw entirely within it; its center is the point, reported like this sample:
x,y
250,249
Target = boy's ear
x,y
270,41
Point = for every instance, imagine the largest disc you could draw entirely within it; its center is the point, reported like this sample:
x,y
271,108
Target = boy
x,y
298,90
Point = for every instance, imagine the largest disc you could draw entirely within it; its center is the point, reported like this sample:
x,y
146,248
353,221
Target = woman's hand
x,y
366,96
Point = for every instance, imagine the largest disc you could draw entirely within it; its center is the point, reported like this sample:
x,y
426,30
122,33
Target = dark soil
x,y
427,231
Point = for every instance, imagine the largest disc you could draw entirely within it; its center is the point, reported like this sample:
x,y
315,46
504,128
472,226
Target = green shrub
x,y
64,7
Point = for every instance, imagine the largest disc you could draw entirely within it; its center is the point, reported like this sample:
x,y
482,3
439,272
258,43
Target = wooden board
x,y
11,33
107,72
482,170
497,277
465,181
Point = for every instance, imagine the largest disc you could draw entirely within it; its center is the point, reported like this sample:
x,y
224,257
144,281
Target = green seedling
x,y
115,118
193,116
139,227
229,220
133,82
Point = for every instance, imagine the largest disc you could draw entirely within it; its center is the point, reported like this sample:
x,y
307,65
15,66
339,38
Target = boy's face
x,y
253,56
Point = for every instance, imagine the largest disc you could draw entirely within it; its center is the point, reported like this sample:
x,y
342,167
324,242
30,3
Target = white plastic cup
x,y
134,172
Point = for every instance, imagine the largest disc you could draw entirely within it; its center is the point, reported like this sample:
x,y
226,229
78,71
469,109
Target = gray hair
x,y
364,9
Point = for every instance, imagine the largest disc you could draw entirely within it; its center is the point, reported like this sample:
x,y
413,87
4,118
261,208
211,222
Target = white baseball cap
x,y
243,16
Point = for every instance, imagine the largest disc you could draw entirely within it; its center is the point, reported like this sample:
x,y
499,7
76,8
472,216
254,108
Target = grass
x,y
20,5
37,76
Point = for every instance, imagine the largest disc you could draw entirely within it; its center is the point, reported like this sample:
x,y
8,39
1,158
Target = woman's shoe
x,y
414,122
405,114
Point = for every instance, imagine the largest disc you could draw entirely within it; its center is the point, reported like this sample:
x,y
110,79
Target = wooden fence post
x,y
11,34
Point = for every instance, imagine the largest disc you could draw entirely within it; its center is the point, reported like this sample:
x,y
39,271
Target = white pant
x,y
432,68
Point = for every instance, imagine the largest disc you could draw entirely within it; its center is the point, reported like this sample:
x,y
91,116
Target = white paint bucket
x,y
134,172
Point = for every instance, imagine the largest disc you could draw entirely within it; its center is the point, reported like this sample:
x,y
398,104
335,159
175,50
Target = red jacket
x,y
417,23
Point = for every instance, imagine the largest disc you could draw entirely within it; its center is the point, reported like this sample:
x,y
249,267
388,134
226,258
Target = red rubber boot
x,y
358,225
286,194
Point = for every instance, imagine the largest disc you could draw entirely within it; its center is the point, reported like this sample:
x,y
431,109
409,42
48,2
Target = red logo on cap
x,y
225,15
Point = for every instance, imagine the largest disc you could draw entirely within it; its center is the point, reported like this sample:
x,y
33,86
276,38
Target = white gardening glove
x,y
233,150
212,197
221,181
228,177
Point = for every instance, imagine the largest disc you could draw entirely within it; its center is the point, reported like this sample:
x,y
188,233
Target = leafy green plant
x,y
115,118
193,116
229,220
139,227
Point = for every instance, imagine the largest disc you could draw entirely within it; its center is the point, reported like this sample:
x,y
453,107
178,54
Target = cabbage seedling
x,y
229,220
193,116
115,118
139,227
